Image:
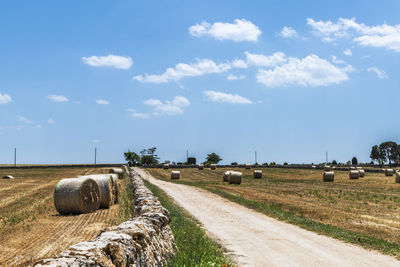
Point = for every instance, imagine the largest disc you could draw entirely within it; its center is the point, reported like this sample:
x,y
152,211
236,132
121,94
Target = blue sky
x,y
288,79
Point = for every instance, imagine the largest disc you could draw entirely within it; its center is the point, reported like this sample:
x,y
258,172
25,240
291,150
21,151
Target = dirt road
x,y
253,239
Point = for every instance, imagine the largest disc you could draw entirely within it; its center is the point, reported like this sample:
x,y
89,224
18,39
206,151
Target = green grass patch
x,y
195,248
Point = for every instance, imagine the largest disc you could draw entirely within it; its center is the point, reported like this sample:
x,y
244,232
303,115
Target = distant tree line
x,y
146,157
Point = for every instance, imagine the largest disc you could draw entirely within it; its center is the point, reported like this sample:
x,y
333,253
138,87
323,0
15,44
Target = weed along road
x,y
253,239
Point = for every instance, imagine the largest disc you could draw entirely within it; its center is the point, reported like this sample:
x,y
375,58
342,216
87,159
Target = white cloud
x,y
57,98
348,52
240,30
181,70
309,71
288,32
265,61
5,99
25,120
239,63
102,102
174,107
135,114
232,77
380,73
220,97
118,62
38,126
50,121
384,35
337,60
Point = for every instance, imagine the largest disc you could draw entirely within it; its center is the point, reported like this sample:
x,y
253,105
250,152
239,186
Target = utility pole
x,y
15,157
187,156
326,157
255,156
95,155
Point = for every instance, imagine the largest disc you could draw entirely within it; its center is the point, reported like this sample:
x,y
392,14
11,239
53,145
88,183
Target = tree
x,y
234,163
148,160
213,158
132,158
354,161
334,162
389,150
377,155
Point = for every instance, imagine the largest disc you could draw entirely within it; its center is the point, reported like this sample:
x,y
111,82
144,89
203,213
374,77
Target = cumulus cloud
x,y
384,35
288,32
240,30
220,97
239,63
265,61
57,98
337,60
309,71
136,114
380,73
5,99
232,77
174,107
348,52
118,62
102,102
181,70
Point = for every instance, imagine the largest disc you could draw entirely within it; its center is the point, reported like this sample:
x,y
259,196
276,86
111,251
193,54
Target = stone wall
x,y
144,240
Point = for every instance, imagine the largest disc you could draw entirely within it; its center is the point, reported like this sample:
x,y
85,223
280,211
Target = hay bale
x,y
397,177
235,177
115,190
8,177
333,167
352,168
327,168
247,166
166,166
328,176
362,173
107,188
213,166
201,166
119,172
226,176
77,195
175,175
354,174
389,172
257,174
359,168
313,167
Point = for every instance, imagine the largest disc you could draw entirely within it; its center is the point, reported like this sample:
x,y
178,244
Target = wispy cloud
x,y
5,99
348,52
58,98
220,97
136,114
240,30
174,107
232,77
265,61
50,121
380,73
288,32
118,62
25,120
102,102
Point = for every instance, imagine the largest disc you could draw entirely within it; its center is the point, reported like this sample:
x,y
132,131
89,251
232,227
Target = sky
x,y
288,79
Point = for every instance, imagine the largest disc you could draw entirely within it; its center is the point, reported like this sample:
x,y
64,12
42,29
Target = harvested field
x,y
369,205
29,223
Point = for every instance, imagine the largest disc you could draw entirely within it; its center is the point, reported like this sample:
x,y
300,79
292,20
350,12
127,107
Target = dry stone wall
x,y
144,240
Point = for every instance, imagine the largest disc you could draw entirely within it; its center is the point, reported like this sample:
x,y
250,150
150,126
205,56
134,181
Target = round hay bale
x,y
333,167
107,189
235,177
389,172
328,176
77,195
201,166
327,168
166,166
119,172
397,177
8,177
247,166
362,173
354,174
359,168
257,174
313,167
352,168
175,175
226,176
115,190
213,166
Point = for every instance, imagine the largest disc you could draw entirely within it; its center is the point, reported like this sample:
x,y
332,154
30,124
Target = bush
x,y
285,163
272,164
234,163
265,164
334,162
191,161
